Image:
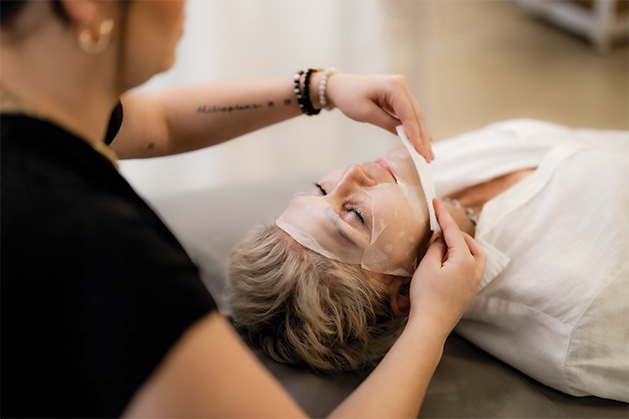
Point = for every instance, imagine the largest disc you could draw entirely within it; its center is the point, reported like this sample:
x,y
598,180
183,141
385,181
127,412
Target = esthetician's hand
x,y
448,276
381,100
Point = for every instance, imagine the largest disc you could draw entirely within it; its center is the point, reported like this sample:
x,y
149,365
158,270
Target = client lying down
x,y
326,286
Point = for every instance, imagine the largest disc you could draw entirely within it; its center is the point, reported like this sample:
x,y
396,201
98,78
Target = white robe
x,y
554,300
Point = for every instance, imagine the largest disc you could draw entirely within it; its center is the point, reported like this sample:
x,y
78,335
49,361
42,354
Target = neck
x,y
45,74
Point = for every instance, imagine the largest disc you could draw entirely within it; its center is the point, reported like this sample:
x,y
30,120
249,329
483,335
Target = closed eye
x,y
356,212
348,208
320,188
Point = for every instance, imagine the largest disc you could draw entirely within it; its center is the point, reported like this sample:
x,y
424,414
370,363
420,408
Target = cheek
x,y
173,16
153,30
397,232
403,210
165,11
402,226
398,228
167,23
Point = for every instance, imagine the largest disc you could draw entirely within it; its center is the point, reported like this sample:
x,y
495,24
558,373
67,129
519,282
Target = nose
x,y
353,177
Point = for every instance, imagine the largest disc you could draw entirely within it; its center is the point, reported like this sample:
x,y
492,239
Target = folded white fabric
x,y
558,308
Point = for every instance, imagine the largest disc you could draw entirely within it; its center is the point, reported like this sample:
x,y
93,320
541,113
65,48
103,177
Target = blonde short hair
x,y
307,310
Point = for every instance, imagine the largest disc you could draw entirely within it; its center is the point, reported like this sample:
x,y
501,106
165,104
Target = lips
x,y
386,167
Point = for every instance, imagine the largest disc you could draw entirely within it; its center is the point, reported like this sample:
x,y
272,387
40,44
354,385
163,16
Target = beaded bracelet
x,y
322,86
298,95
303,97
308,107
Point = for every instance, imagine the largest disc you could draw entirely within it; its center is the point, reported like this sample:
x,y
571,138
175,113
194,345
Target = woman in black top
x,y
103,311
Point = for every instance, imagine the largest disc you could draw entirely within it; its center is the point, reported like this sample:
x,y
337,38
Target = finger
x,y
423,148
422,141
380,117
475,249
403,107
451,232
412,130
478,255
425,136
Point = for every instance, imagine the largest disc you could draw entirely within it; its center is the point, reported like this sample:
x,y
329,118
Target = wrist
x,y
302,83
425,333
323,99
310,89
431,323
315,81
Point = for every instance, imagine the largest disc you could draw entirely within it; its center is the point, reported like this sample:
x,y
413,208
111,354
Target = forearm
x,y
210,372
188,118
193,117
397,386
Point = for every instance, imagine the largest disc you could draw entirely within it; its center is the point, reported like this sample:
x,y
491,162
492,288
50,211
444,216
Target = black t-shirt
x,y
95,288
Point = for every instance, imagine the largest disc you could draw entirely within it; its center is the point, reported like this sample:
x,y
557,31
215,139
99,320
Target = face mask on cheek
x,y
400,222
398,225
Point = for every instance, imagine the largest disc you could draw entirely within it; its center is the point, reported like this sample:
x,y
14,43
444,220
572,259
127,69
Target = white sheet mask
x,y
396,214
424,176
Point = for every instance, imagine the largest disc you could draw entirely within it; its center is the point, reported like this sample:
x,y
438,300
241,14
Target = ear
x,y
83,13
400,301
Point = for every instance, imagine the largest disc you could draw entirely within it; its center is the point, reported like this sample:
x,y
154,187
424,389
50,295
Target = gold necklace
x,y
106,152
469,213
14,104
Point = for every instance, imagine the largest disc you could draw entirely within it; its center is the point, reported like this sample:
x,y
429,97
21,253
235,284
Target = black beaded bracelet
x,y
303,98
309,109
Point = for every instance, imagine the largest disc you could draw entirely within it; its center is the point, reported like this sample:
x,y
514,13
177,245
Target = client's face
x,y
374,214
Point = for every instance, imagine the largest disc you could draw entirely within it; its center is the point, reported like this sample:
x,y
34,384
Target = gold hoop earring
x,y
99,45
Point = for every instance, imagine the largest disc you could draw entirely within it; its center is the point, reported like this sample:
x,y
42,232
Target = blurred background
x,y
469,63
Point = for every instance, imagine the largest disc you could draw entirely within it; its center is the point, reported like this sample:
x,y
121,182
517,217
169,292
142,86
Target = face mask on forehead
x,y
390,245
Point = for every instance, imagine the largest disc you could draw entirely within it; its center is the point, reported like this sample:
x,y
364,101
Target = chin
x,y
169,63
138,79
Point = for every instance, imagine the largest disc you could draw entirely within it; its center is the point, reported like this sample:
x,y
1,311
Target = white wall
x,y
245,39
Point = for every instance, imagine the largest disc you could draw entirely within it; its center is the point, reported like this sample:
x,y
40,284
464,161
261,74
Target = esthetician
x,y
103,312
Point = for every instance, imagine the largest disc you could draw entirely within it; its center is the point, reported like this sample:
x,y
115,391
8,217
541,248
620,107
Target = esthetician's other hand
x,y
381,100
448,276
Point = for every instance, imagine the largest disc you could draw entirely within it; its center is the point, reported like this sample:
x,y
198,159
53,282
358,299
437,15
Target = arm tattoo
x,y
228,109
237,107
